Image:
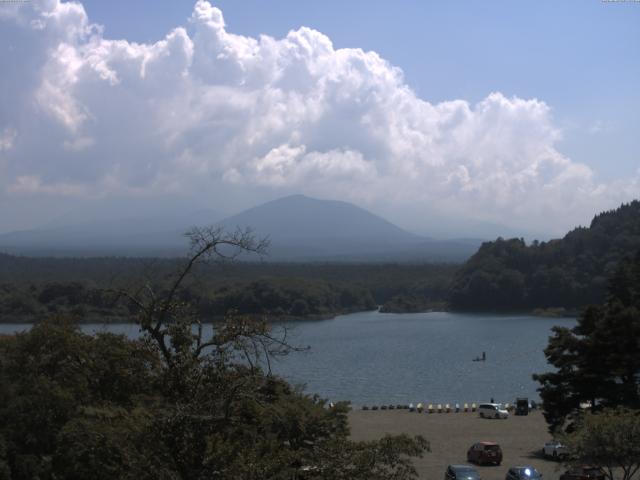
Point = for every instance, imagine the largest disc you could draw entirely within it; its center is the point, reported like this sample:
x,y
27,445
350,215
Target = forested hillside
x,y
276,298
85,288
570,272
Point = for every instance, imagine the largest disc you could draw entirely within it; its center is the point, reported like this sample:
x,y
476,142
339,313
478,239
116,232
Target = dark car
x,y
524,472
522,406
485,452
461,472
583,472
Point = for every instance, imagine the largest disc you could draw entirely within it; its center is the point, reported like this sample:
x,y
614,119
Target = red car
x,y
485,452
583,472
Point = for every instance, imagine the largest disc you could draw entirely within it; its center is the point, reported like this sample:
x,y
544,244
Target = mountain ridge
x,y
300,228
301,209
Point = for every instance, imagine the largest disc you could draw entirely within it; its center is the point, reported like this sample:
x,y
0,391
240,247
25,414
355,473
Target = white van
x,y
492,410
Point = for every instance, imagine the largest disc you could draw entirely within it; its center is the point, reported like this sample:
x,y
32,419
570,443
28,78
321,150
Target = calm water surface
x,y
373,358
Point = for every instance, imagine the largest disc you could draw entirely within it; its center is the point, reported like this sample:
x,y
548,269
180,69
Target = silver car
x,y
554,449
492,410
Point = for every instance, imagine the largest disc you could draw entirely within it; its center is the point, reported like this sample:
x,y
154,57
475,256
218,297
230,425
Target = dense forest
x,y
429,294
87,288
279,298
568,273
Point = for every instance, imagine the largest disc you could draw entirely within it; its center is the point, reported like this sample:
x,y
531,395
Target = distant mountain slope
x,y
570,272
300,217
146,236
303,228
300,229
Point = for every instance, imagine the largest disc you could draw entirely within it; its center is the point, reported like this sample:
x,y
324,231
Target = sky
x,y
447,118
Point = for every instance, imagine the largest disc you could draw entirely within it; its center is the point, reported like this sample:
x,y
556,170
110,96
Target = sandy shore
x,y
451,434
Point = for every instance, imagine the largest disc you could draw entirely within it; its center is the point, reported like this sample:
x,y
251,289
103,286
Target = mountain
x,y
302,228
299,228
302,218
570,272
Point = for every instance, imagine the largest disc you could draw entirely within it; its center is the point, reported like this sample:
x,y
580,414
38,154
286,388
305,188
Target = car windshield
x,y
467,474
592,472
492,448
529,472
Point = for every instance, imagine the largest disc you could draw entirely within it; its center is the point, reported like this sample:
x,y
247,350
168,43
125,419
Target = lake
x,y
373,358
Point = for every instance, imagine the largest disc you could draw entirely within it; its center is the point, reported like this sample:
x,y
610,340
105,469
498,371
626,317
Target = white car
x,y
554,449
492,410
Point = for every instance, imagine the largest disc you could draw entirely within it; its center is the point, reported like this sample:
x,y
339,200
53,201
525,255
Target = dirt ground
x,y
451,434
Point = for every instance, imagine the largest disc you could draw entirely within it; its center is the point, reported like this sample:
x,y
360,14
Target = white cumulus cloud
x,y
204,108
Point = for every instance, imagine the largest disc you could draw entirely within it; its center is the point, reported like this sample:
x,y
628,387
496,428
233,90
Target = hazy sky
x,y
441,116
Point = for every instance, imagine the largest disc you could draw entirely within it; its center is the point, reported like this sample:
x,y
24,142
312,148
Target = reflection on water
x,y
374,358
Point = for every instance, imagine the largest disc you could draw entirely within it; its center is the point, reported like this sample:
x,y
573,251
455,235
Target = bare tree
x,y
169,321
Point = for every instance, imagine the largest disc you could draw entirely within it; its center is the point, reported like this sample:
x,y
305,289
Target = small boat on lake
x,y
481,359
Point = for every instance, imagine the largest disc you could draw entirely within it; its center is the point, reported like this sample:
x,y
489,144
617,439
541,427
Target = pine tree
x,y
597,361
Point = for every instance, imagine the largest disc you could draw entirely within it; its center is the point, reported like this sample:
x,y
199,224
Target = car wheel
x,y
497,416
555,454
481,415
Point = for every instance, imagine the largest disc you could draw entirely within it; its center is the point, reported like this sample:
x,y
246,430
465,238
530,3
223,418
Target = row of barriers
x,y
432,408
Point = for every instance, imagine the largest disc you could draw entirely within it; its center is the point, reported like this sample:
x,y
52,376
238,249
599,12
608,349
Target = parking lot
x,y
451,434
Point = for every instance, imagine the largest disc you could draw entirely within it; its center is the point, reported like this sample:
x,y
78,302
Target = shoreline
x,y
538,312
210,320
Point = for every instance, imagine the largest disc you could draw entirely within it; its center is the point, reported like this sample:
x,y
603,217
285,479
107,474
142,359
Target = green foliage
x,y
429,293
50,373
29,302
77,406
611,439
598,360
276,297
105,443
5,471
386,459
570,273
83,291
284,297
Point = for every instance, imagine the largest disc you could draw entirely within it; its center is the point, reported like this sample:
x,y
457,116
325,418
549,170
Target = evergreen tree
x,y
597,361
